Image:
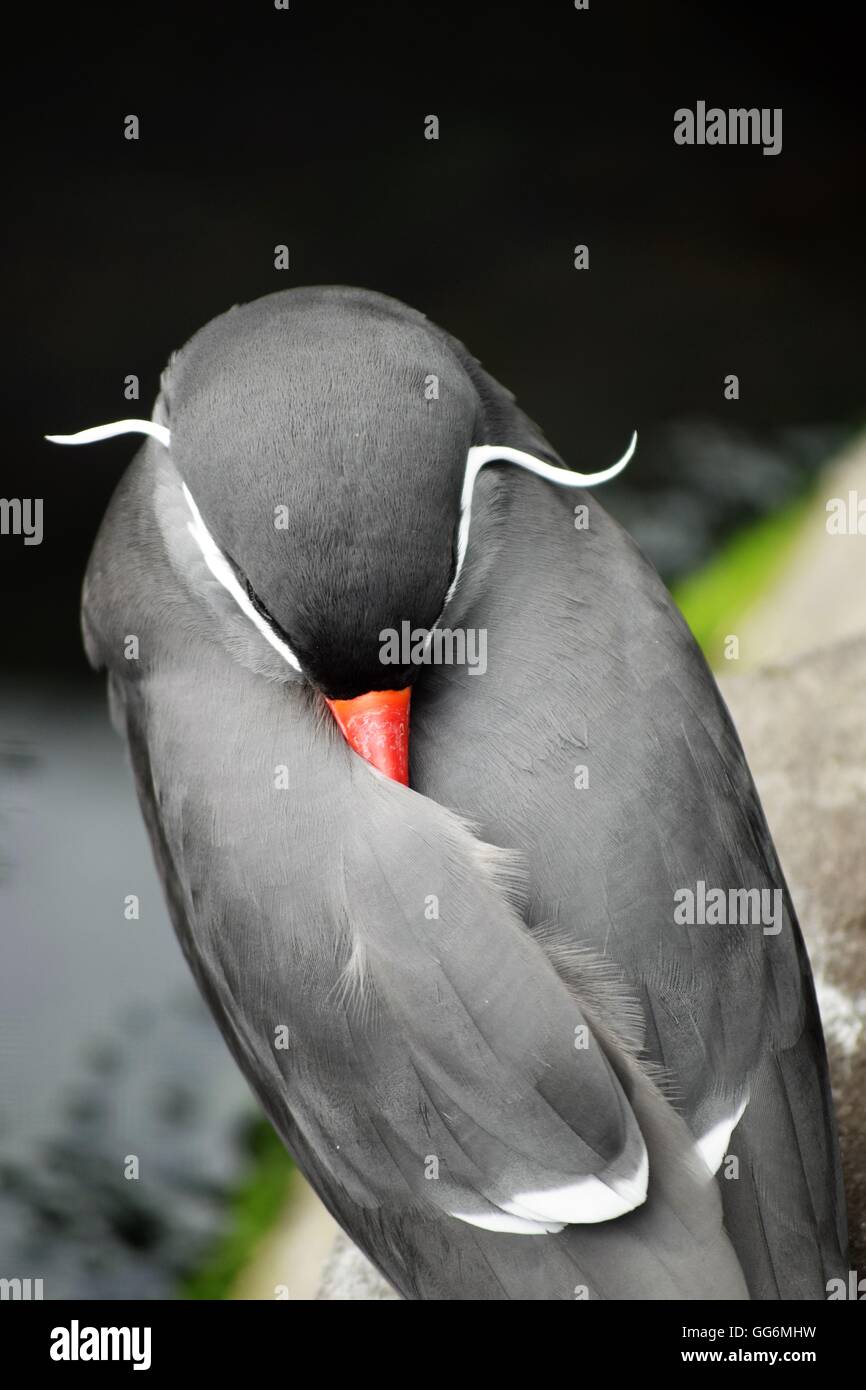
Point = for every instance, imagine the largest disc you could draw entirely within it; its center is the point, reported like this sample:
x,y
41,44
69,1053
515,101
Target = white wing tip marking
x,y
584,1202
507,1224
713,1145
588,1200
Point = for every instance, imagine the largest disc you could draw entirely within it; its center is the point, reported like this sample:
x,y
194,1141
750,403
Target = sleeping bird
x,y
524,994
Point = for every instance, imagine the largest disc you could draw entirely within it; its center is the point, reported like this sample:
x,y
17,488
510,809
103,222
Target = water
x,y
106,1051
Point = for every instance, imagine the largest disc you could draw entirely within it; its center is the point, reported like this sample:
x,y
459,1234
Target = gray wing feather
x,y
301,910
590,664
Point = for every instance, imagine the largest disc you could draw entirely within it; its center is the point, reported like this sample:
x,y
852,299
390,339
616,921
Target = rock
x,y
348,1275
820,598
803,728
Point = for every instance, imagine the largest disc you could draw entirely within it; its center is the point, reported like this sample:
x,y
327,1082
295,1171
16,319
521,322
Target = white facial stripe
x,y
223,572
98,432
480,454
213,556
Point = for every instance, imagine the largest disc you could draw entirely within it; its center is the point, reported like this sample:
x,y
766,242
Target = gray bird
x,y
533,1012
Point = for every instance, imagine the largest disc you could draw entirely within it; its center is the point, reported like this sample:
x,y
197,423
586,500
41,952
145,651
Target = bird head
x,y
327,441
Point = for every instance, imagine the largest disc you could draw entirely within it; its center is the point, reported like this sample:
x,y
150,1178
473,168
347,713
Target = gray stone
x,y
803,728
349,1276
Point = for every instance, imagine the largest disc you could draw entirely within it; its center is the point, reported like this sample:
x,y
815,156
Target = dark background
x,y
306,127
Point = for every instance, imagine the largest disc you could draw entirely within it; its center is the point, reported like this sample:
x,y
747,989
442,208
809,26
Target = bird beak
x,y
376,726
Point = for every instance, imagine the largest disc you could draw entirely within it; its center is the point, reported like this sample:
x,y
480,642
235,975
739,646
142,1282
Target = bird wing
x,y
596,742
478,1131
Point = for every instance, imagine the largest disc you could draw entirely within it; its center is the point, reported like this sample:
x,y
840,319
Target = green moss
x,y
714,599
253,1211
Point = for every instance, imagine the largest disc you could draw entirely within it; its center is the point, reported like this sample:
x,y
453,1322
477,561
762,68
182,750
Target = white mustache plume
x,y
480,454
477,457
98,432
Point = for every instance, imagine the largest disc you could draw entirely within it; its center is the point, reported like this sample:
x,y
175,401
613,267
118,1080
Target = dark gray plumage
x,y
413,1038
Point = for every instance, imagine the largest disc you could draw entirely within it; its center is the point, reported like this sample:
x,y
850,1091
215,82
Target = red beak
x,y
376,726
